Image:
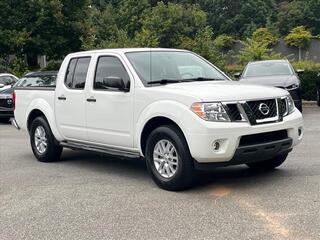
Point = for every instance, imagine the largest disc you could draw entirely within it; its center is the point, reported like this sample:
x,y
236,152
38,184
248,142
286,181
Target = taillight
x,y
14,100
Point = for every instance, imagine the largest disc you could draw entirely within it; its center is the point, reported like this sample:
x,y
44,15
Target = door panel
x,y
71,100
110,116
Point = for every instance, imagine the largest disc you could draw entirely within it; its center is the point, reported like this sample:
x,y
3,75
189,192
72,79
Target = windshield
x,y
170,66
267,69
37,81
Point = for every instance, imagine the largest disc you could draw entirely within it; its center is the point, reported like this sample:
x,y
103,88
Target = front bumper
x,y
201,145
6,113
251,154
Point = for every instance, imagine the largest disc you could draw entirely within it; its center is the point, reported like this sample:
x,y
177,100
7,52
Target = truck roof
x,y
126,50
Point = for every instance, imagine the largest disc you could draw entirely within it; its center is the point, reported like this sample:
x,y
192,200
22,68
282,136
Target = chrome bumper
x,y
14,123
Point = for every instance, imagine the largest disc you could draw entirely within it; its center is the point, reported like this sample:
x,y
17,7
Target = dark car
x,y
276,73
35,79
6,82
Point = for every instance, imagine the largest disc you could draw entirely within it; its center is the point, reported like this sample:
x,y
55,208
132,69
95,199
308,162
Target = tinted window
x,y
80,73
70,73
77,73
268,69
110,67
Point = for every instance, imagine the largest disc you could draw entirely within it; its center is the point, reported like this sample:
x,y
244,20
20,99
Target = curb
x,y
309,103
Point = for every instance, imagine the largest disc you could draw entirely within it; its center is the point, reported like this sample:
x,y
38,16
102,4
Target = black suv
x,y
276,73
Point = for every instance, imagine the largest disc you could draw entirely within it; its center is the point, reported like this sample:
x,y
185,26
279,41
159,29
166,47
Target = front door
x,y
70,100
109,110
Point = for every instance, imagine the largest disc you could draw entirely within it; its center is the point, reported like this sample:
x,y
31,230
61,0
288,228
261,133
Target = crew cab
x,y
171,107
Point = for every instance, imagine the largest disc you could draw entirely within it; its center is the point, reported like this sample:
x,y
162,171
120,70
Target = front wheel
x,y
168,159
44,146
268,164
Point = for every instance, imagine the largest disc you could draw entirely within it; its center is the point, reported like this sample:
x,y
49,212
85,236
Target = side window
x,y
109,66
77,73
70,73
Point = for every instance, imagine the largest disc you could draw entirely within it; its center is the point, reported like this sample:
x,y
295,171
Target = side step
x,y
106,150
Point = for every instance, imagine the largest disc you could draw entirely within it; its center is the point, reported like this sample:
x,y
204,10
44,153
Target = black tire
x,y
53,150
268,164
318,97
184,176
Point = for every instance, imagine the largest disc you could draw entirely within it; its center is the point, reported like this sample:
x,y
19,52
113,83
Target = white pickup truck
x,y
171,107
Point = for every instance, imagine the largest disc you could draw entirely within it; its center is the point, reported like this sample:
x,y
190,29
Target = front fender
x,y
164,108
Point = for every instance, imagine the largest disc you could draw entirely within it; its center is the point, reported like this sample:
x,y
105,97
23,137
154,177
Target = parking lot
x,y
90,196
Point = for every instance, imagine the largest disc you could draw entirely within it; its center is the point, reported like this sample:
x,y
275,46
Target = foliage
x,y
255,51
308,78
224,42
263,35
168,23
298,37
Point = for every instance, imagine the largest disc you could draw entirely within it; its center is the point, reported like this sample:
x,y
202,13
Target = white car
x,y
171,107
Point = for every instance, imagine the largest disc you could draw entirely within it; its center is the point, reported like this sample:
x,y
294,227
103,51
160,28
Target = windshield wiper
x,y
204,79
165,81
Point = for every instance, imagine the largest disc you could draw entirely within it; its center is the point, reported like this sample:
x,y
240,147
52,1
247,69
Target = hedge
x,y
308,79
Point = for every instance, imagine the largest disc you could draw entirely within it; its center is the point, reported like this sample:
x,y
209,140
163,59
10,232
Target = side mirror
x,y
237,75
1,85
300,71
115,82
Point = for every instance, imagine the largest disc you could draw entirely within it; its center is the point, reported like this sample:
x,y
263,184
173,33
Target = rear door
x,y
70,99
110,111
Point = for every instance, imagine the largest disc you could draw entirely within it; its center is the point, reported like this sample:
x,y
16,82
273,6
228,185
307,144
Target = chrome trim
x,y
106,150
14,123
244,114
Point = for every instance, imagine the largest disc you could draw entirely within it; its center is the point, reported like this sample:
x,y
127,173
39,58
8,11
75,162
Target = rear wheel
x,y
44,146
168,159
318,97
268,164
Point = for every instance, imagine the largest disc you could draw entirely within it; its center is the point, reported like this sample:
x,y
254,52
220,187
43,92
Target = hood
x,y
275,81
226,90
6,91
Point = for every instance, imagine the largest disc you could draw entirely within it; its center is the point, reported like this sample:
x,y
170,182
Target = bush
x,y
308,78
233,69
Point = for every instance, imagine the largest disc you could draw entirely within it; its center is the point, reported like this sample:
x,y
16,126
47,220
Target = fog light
x,y
216,146
300,131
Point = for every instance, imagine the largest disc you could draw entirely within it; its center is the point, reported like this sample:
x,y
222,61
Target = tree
x,y
168,23
224,42
255,51
299,37
263,35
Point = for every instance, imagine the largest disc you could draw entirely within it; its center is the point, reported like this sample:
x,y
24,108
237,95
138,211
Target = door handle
x,y
62,97
91,99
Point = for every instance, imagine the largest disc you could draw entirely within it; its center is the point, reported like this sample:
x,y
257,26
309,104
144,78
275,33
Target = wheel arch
x,y
152,124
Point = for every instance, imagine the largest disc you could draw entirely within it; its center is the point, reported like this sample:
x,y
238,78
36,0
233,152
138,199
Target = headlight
x,y
292,87
290,104
210,111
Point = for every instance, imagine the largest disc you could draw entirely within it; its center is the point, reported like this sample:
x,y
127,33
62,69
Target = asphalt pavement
x,y
91,196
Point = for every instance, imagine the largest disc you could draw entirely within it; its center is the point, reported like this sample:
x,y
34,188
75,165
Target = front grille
x,y
283,107
259,113
6,103
248,140
234,112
